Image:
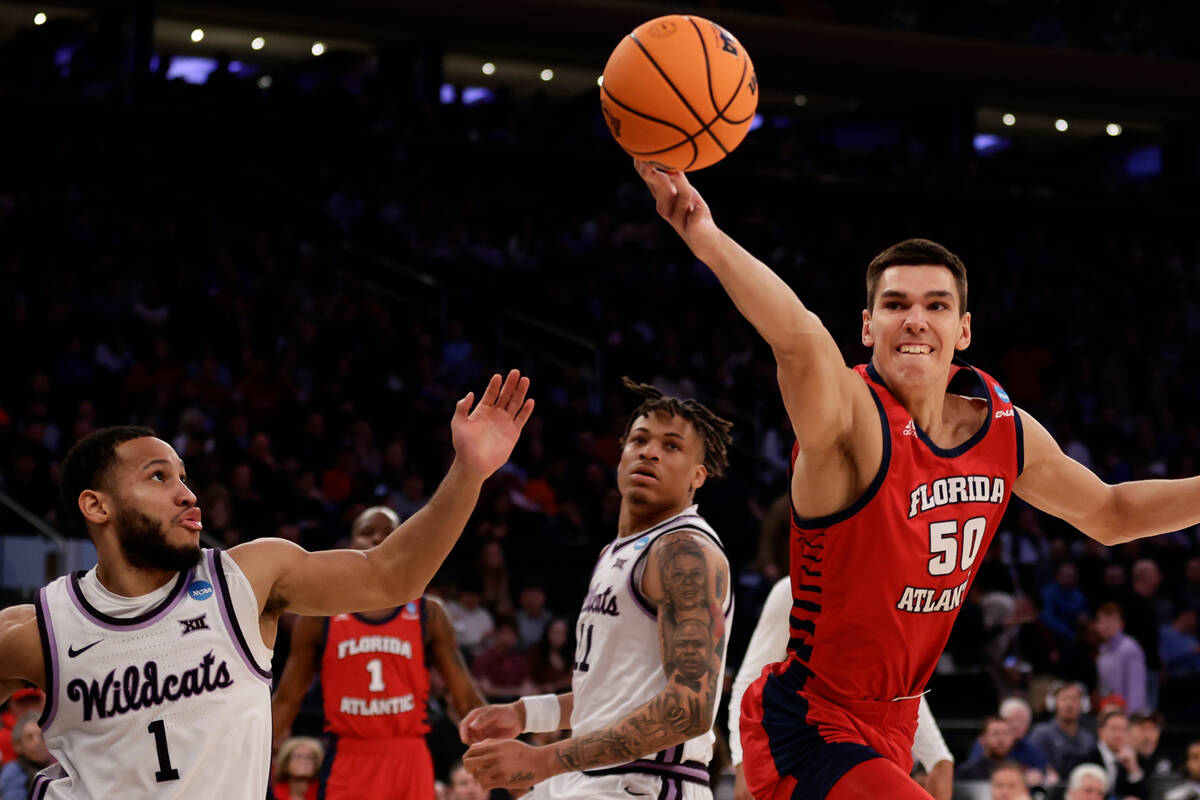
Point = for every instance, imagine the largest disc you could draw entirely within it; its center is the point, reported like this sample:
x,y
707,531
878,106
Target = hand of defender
x,y
505,764
504,721
484,438
678,203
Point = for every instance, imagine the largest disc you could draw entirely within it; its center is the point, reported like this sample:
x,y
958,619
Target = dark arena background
x,y
288,236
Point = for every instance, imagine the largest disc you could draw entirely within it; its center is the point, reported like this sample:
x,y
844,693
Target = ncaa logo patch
x,y
200,590
410,611
1003,395
641,543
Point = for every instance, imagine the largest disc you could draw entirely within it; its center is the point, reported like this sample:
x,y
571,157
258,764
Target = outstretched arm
x,y
443,648
298,673
21,659
286,577
822,396
688,577
1111,514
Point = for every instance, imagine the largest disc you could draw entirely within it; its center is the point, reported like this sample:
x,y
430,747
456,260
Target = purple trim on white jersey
x,y
636,537
139,622
39,787
691,771
49,657
225,603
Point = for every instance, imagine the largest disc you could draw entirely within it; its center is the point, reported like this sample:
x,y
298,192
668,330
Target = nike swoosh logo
x,y
72,652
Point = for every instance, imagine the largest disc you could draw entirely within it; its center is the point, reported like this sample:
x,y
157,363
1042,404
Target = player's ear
x,y
964,334
699,476
868,338
95,506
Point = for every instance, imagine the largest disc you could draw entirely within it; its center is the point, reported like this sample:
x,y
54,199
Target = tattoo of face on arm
x,y
691,632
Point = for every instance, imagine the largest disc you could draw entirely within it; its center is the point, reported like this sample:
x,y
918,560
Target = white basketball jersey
x,y
619,656
171,699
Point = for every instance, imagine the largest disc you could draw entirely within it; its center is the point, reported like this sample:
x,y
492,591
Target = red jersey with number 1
x,y
373,675
876,587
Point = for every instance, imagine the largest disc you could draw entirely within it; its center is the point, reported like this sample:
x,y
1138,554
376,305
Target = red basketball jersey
x,y
876,587
373,675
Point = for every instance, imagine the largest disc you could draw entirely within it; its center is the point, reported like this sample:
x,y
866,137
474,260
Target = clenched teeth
x,y
914,348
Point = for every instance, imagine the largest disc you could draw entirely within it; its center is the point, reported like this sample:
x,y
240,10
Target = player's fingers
x,y
463,406
491,393
517,398
524,414
510,386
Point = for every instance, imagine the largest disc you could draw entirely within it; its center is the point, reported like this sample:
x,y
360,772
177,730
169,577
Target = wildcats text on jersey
x,y
956,489
142,689
601,602
375,644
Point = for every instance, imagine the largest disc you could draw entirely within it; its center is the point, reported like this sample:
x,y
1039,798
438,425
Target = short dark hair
x,y
1107,715
915,253
88,463
1111,608
713,430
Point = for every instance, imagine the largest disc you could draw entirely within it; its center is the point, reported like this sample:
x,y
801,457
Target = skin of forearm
x,y
669,718
408,558
1148,508
761,296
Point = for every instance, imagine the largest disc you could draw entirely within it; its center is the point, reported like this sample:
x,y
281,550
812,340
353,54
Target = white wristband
x,y
542,713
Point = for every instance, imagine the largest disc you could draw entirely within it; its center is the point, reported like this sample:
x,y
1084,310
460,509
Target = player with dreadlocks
x,y
641,723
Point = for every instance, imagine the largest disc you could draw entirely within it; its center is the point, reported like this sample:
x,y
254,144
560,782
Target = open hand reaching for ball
x,y
678,202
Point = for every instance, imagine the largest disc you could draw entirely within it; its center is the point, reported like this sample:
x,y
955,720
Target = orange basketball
x,y
679,92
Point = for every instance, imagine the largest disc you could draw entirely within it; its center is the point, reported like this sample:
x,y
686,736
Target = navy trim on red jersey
x,y
858,505
384,621
976,438
1020,442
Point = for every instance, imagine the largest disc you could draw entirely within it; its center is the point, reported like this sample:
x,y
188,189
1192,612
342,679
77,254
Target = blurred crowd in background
x,y
294,285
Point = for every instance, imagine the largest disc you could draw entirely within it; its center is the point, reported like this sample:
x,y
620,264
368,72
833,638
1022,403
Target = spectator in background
x,y
296,765
1190,788
472,622
1063,740
1189,595
1116,755
532,617
1087,782
1178,645
1016,712
1008,782
463,786
31,755
21,703
1120,662
551,660
503,673
995,742
493,578
1145,609
1144,732
1063,605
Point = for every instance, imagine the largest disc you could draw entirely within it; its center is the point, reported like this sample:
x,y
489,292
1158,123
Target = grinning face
x,y
662,463
915,327
148,506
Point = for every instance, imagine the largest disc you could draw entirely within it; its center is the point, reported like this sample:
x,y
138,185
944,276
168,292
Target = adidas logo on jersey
x,y
910,429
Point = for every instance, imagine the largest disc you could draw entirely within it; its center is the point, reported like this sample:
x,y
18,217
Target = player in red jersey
x,y
375,685
898,481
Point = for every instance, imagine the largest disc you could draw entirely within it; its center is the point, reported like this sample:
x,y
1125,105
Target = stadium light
x,y
1061,125
197,34
1009,120
600,81
1113,129
488,68
800,100
39,18
265,82
318,48
547,74
258,43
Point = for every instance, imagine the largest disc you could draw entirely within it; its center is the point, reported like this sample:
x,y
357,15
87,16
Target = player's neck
x,y
635,518
119,577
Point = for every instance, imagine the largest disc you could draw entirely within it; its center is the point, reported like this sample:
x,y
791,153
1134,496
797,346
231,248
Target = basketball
x,y
679,92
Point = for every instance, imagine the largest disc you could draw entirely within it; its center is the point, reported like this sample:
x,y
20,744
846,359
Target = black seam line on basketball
x,y
712,98
703,127
687,137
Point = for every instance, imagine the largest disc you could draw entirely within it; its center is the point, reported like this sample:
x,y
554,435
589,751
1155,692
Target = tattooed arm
x,y
687,577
